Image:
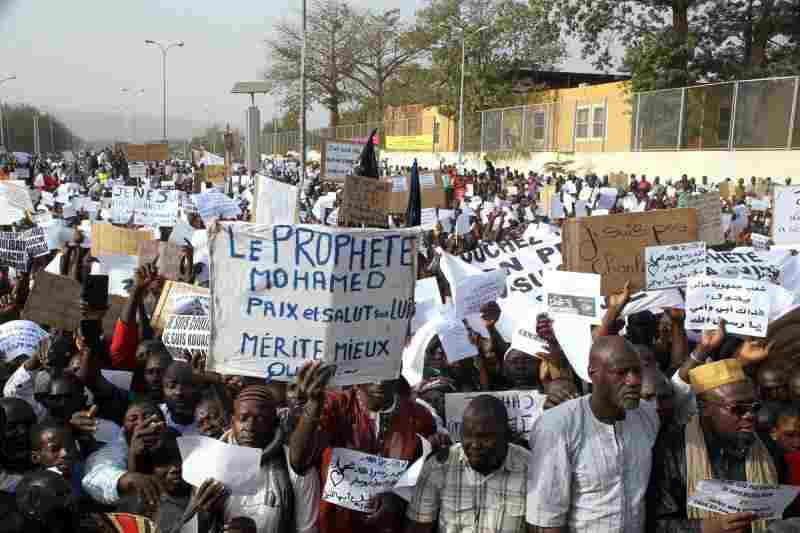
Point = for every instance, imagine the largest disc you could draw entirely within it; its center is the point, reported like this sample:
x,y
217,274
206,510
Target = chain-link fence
x,y
518,128
741,115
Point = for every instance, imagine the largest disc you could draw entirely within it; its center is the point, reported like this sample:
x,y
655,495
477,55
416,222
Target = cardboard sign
x,y
619,180
275,202
613,245
743,304
168,257
55,301
709,216
524,407
108,239
786,215
729,497
355,478
432,194
149,207
365,202
284,295
18,248
214,173
338,159
146,152
672,265
171,296
725,189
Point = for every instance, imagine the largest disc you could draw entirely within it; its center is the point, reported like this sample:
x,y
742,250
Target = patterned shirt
x,y
469,502
103,470
587,475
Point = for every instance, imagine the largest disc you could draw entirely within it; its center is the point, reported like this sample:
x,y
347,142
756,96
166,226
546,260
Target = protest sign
x,y
613,245
16,195
172,296
166,255
730,497
574,335
338,158
20,337
618,180
398,183
709,216
524,407
573,293
725,189
214,204
743,304
109,239
427,302
525,260
757,204
18,248
55,301
275,202
786,215
431,194
526,339
149,207
747,263
428,219
470,293
235,466
455,340
214,174
355,478
607,198
146,152
284,295
187,332
670,266
137,171
760,242
365,201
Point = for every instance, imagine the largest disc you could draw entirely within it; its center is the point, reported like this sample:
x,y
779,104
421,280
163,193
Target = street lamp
x,y
2,116
461,97
164,50
133,93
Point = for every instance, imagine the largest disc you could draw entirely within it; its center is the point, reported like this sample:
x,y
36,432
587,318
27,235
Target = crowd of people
x,y
666,409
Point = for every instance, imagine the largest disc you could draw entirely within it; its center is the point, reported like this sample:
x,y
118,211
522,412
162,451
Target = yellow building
x,y
418,127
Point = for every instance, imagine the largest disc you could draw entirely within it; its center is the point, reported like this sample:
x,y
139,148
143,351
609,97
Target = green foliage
x,y
19,132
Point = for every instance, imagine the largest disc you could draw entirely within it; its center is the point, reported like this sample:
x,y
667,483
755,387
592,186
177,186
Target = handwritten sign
x,y
744,263
523,407
729,497
213,204
20,337
149,207
709,216
365,201
115,240
283,295
743,304
613,245
670,266
760,242
455,340
355,478
16,195
339,158
17,248
470,293
786,215
137,171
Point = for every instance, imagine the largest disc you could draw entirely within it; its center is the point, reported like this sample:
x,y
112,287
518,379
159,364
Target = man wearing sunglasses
x,y
719,443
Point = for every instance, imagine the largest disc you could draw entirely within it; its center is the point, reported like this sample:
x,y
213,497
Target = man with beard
x,y
592,456
719,443
285,501
19,418
375,418
180,398
112,470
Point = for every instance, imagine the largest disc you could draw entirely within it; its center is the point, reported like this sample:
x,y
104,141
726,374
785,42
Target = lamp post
x,y
133,93
164,49
302,184
461,97
2,116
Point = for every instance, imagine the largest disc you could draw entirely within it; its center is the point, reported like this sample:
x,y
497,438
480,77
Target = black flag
x,y
368,162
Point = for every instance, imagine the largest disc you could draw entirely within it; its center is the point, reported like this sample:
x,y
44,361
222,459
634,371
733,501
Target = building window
x,y
582,123
539,125
724,129
590,122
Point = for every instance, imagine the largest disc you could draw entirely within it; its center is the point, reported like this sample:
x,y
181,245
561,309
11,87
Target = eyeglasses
x,y
739,409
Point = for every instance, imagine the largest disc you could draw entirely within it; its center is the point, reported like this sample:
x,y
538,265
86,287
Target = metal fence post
x,y
731,134
680,118
793,115
524,123
482,131
574,126
502,144
636,140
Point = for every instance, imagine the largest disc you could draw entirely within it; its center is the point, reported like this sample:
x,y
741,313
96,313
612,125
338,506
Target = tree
x,y
330,47
18,130
517,35
386,46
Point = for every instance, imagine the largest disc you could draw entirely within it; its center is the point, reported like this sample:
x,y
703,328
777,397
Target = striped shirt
x,y
469,502
589,476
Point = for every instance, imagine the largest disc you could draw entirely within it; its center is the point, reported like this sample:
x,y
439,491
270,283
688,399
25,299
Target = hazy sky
x,y
77,56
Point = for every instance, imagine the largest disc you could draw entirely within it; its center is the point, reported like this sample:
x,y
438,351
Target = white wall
x,y
778,164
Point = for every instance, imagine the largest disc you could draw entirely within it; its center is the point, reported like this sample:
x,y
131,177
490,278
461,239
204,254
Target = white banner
x,y
524,407
152,207
284,295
